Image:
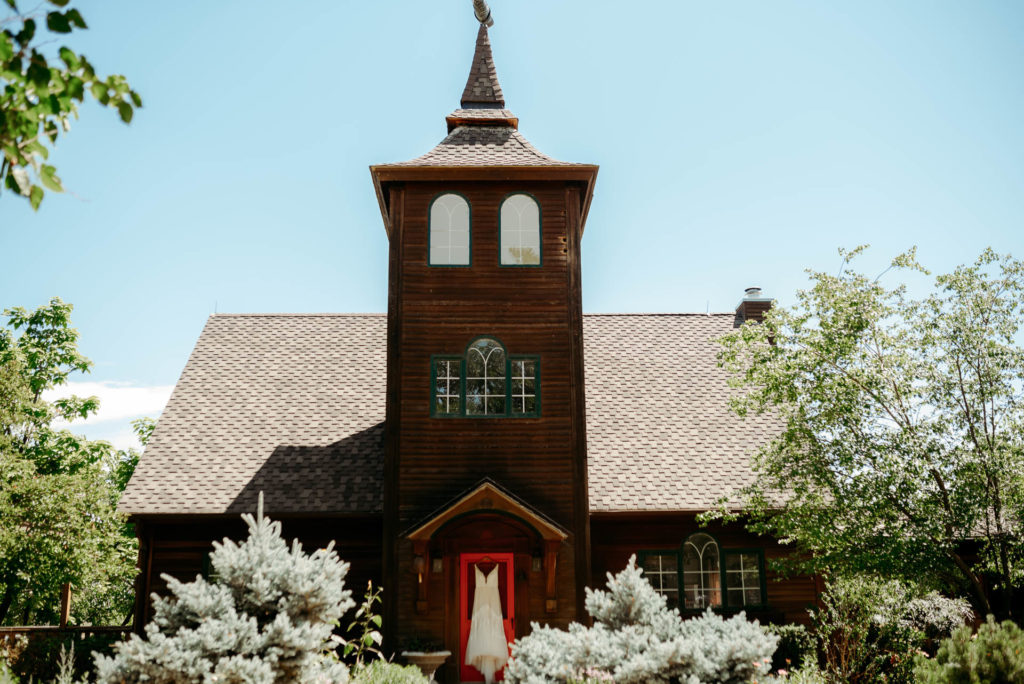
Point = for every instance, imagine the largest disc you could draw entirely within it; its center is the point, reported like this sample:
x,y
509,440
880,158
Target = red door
x,y
467,587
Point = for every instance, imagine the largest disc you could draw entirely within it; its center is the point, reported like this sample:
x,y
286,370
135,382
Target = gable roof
x,y
293,405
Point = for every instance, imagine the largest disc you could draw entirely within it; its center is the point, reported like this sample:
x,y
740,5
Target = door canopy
x,y
488,497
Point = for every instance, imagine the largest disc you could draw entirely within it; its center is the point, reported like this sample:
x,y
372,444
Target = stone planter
x,y
427,661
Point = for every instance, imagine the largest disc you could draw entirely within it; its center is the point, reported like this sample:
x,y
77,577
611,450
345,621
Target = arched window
x,y
520,231
485,382
702,574
485,378
449,231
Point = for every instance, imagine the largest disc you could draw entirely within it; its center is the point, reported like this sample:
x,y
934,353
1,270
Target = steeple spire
x,y
482,88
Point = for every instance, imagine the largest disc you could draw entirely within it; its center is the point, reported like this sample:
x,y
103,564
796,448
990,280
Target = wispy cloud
x,y
119,404
118,401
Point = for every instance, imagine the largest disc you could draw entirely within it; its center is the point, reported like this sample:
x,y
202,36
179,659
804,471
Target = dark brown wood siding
x,y
618,536
439,310
180,548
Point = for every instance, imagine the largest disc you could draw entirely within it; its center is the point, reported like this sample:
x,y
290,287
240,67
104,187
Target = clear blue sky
x,y
739,144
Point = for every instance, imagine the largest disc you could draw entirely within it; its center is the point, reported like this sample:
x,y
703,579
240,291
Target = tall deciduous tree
x,y
40,95
901,447
58,491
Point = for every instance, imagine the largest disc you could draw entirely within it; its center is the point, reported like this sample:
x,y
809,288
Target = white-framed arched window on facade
x,y
519,221
702,572
450,236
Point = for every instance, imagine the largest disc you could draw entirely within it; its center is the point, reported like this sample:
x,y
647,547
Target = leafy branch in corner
x,y
41,94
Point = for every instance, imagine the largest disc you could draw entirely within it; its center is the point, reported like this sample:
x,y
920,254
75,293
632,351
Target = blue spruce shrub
x,y
267,617
637,638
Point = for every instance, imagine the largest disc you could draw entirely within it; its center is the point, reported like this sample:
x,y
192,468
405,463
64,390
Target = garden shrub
x,y
40,659
936,616
862,638
637,639
796,647
809,674
994,656
382,672
267,617
870,630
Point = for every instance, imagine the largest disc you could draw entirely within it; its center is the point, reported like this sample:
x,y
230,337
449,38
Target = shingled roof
x,y
482,87
293,405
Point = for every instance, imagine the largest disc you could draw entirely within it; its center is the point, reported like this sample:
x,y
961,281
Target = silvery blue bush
x,y
266,617
637,638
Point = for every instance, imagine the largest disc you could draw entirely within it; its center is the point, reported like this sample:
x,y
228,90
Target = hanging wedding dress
x,y
487,649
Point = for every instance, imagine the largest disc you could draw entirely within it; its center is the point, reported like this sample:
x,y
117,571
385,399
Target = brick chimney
x,y
753,305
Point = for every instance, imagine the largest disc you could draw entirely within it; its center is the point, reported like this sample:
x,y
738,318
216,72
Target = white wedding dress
x,y
487,649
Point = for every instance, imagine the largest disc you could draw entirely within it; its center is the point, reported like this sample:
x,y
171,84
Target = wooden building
x,y
483,421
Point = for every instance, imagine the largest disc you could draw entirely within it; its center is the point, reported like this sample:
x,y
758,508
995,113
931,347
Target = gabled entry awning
x,y
487,496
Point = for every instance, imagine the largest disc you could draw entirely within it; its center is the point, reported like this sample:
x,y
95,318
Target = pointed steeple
x,y
482,88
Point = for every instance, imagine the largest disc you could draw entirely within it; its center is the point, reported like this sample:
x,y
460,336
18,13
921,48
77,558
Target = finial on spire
x,y
483,12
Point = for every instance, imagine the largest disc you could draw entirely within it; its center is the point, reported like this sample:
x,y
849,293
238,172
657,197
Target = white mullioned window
x,y
447,387
449,231
701,572
520,231
743,578
485,378
661,568
524,386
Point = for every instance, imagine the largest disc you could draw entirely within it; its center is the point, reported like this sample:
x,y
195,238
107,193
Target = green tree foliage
x,y
901,449
41,94
266,617
636,638
995,655
58,491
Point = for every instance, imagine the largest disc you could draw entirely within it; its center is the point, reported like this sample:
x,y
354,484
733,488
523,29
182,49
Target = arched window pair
x,y
451,231
697,571
485,382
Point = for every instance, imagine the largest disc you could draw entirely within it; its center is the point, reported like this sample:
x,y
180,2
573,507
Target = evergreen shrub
x,y
995,655
267,617
637,638
382,672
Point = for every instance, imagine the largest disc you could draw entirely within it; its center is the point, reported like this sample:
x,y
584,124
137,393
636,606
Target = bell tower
x,y
485,438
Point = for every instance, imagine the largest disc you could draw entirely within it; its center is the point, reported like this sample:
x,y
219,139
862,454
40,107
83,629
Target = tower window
x,y
485,378
449,231
447,387
524,386
485,383
520,231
